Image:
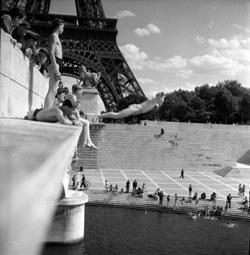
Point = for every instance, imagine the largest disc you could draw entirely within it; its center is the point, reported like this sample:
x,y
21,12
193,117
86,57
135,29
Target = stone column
x,y
69,219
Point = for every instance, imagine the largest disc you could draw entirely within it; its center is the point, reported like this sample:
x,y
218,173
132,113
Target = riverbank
x,y
203,208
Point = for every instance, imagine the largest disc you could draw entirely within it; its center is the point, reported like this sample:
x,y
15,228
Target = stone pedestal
x,y
68,223
89,102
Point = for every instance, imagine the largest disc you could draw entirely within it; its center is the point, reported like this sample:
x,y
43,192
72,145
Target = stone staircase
x,y
203,147
88,157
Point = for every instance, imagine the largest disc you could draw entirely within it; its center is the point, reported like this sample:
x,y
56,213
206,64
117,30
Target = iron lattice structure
x,y
89,39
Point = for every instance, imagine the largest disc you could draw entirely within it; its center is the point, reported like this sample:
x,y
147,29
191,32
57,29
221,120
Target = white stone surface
x,y
33,159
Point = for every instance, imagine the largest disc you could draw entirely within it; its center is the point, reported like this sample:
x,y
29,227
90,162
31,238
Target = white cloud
x,y
199,39
148,30
224,43
241,28
185,73
146,81
190,86
226,57
153,28
139,60
223,58
207,60
123,14
141,32
210,25
135,57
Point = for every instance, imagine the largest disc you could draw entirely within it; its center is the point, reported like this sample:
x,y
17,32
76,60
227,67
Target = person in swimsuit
x,y
76,93
134,109
60,114
55,62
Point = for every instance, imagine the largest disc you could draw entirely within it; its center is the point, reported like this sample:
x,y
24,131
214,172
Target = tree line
x,y
226,103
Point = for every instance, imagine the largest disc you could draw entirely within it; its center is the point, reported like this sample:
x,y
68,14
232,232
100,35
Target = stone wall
x,y
22,86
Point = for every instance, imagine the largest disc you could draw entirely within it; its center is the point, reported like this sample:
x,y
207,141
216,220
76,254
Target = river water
x,y
111,231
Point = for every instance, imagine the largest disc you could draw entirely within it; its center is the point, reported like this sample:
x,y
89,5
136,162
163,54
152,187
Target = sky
x,y
181,44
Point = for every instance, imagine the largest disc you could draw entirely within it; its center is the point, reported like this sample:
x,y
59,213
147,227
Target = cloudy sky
x,y
172,44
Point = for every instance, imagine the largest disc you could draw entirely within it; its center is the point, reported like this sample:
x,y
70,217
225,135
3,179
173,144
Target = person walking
x,y
182,174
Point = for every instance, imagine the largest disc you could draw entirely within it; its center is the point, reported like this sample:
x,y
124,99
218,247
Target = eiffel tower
x,y
89,39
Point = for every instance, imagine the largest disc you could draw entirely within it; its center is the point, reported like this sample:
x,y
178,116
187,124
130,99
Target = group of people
x,y
82,184
61,106
136,190
24,38
111,188
158,195
241,190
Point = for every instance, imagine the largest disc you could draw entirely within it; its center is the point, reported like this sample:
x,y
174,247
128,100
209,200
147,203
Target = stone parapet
x,y
35,156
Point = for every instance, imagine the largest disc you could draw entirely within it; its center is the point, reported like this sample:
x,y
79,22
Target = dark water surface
x,y
137,232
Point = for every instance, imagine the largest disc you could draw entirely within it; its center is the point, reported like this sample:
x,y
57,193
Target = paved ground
x,y
168,181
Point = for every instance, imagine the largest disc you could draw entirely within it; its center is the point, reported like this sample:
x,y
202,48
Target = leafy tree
x,y
226,102
224,106
245,108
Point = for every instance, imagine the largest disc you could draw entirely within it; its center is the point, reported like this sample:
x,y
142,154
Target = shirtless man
x,y
134,109
55,53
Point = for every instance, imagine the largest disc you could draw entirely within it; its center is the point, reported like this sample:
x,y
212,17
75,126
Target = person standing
x,y
229,199
73,181
106,186
190,189
134,186
182,174
55,63
175,200
161,195
127,186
